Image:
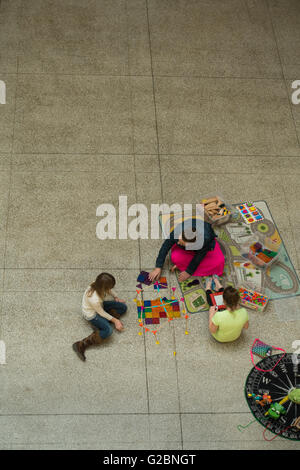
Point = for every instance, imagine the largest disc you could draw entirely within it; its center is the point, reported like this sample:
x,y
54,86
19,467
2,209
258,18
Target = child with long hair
x,y
100,312
226,325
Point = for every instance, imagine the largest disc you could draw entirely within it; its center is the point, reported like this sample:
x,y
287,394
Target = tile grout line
x,y
162,196
154,100
162,154
145,413
186,77
9,191
290,225
136,192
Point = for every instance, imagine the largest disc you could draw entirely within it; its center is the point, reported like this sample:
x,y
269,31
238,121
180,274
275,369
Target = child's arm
x,y
212,327
115,296
99,309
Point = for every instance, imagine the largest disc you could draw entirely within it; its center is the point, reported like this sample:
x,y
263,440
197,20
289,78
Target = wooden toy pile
x,y
215,209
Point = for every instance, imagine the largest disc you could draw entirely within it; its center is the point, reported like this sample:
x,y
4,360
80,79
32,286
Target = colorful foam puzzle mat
x,y
277,281
161,284
151,311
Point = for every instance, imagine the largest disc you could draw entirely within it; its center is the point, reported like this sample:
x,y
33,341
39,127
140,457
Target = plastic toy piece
x,y
261,349
217,300
296,423
252,299
143,278
262,400
276,411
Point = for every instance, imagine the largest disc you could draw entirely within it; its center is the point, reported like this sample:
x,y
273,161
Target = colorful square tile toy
x,y
250,213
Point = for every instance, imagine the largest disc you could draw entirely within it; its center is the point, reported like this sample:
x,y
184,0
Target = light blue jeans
x,y
102,324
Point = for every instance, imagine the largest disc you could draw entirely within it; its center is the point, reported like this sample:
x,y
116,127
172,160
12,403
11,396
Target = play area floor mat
x,y
277,281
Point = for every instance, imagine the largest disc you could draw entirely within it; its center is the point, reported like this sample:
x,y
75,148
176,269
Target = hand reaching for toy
x,y
122,301
183,276
118,324
155,274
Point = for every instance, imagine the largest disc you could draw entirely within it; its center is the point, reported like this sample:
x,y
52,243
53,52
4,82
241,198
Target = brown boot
x,y
114,313
80,346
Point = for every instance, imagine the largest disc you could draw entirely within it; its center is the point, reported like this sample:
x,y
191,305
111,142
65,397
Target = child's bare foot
x,y
208,283
217,282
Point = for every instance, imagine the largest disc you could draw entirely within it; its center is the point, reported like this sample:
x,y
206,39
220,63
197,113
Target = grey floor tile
x,y
227,117
62,430
64,280
147,163
143,115
7,114
9,35
149,190
291,187
295,107
73,114
209,373
223,432
97,37
96,445
39,376
78,130
217,39
74,305
84,114
4,197
73,162
101,432
285,17
250,165
149,250
55,226
139,58
161,370
165,427
5,160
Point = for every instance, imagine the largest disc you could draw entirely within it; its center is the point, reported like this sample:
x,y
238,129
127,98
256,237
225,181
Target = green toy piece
x,y
275,411
294,396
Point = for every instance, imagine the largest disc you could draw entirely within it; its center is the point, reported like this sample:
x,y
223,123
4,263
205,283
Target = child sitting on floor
x,y
100,312
226,325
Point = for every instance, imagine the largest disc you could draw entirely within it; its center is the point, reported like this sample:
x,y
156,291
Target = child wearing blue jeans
x,y
100,313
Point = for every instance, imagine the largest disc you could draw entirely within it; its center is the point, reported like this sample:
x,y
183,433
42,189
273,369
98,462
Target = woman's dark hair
x,y
189,236
231,297
102,285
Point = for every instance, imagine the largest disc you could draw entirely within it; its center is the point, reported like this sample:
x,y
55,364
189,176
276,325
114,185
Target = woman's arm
x,y
164,250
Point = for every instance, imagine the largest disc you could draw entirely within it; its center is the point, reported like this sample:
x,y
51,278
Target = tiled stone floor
x,y
162,101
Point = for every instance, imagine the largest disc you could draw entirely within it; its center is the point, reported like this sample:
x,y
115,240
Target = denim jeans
x,y
102,324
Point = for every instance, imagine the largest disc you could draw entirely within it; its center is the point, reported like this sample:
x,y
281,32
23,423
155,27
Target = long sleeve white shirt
x,y
94,304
